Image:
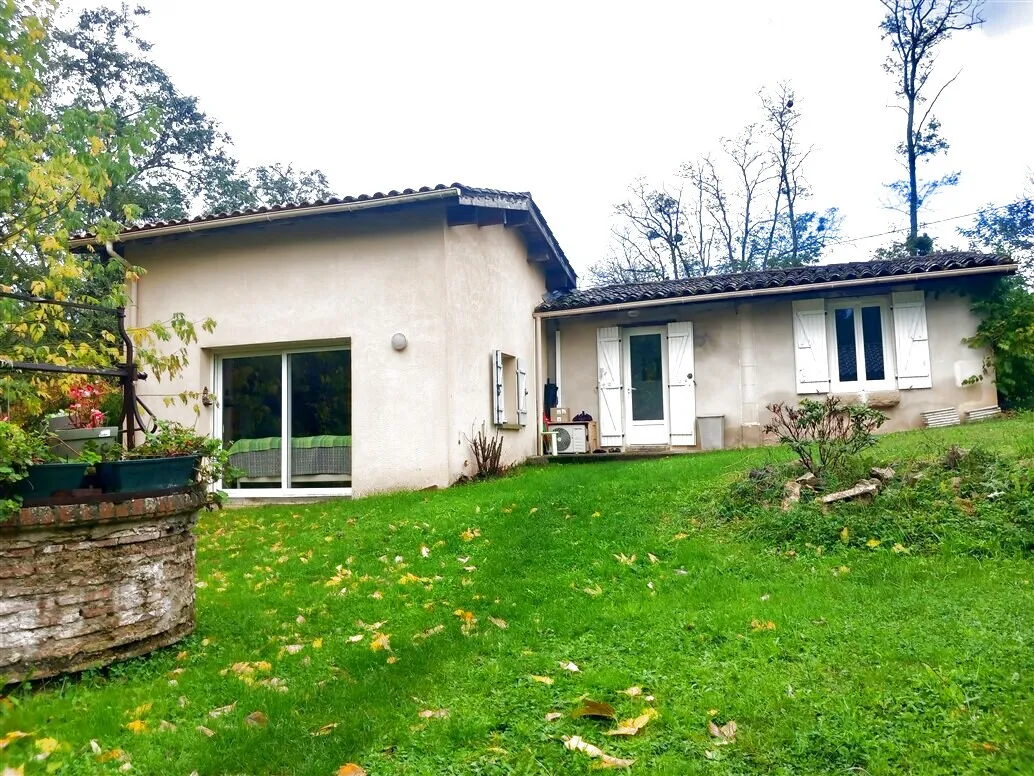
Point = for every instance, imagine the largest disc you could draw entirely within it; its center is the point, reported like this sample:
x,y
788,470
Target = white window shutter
x,y
681,385
811,356
522,392
498,408
911,340
608,359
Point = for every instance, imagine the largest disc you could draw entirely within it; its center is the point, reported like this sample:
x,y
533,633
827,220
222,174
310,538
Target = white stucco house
x,y
361,340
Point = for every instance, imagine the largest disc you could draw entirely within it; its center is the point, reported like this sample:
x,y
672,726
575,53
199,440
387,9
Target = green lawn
x,y
857,661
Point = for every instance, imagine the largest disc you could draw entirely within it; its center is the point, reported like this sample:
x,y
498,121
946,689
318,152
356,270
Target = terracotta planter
x,y
147,474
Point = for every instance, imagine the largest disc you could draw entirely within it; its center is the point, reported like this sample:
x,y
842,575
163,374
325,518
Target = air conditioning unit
x,y
570,437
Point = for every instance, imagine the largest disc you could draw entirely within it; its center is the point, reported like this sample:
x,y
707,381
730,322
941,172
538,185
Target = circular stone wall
x,y
83,585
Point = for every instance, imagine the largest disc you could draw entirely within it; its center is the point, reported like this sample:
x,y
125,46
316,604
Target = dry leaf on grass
x,y
350,769
381,641
632,692
761,625
594,591
624,559
355,638
166,727
429,632
554,715
653,558
632,726
214,713
578,744
9,771
433,714
293,649
569,666
725,734
499,623
542,679
325,730
590,708
136,726
256,719
12,735
205,731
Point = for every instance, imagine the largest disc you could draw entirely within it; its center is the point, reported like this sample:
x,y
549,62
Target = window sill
x,y
509,426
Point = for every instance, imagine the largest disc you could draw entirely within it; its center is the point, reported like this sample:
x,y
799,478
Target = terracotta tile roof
x,y
790,279
517,200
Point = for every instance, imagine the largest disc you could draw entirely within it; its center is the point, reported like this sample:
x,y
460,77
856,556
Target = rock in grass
x,y
884,474
865,488
792,490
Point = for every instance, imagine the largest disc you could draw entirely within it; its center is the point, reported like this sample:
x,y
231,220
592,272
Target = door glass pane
x,y
847,353
251,409
321,419
647,383
872,342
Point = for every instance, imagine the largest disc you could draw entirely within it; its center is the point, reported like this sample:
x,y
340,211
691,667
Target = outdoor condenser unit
x,y
570,437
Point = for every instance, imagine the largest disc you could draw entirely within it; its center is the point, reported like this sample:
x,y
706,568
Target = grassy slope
x,y
901,664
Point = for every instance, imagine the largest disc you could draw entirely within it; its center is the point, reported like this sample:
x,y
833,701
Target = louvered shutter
x,y
911,341
811,357
498,408
608,358
522,392
681,387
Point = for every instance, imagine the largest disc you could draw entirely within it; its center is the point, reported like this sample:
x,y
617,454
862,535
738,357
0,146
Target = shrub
x,y
488,454
173,440
824,434
18,450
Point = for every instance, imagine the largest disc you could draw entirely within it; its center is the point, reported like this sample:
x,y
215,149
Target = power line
x,y
924,224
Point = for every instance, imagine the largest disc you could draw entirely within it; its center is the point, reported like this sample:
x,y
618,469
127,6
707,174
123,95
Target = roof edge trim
x,y
270,216
775,291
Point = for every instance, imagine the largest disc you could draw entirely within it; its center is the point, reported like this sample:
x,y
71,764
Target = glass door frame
x,y
661,428
285,421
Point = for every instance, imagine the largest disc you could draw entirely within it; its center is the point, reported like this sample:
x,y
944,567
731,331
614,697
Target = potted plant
x,y
172,457
83,423
26,473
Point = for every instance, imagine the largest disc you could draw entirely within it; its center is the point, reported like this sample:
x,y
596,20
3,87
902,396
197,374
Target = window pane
x,y
647,385
321,419
847,353
872,341
251,404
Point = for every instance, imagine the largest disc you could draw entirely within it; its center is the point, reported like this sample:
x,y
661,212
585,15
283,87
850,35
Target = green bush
x,y
825,435
18,450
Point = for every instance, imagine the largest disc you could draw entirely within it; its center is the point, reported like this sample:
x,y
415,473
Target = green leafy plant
x,y
1006,331
824,434
19,450
174,440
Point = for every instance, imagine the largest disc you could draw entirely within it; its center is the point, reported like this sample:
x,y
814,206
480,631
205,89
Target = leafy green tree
x,y
58,163
915,30
103,64
1007,230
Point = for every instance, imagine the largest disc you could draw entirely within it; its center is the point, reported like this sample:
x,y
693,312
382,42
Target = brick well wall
x,y
84,585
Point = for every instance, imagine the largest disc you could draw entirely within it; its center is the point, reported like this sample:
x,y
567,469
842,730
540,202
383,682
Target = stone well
x,y
84,585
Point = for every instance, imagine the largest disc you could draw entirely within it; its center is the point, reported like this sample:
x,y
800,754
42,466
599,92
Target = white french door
x,y
646,386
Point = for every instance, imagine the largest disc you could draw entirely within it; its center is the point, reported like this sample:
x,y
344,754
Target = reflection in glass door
x,y
306,430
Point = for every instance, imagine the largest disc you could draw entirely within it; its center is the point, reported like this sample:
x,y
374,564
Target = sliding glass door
x,y
286,419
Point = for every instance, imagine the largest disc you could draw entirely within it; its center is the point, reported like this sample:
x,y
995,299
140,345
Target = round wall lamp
x,y
399,341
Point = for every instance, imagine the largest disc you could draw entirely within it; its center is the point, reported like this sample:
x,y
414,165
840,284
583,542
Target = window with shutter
x,y
911,340
861,350
509,390
811,358
608,386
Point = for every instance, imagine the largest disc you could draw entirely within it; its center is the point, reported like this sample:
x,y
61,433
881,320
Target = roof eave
x,y
828,285
192,227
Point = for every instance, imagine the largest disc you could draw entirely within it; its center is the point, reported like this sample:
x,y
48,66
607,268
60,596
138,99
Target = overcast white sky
x,y
571,101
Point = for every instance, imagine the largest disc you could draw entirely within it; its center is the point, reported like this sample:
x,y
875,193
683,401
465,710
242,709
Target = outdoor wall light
x,y
399,341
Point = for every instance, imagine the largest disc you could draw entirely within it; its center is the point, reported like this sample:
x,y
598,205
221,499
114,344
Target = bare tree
x,y
915,28
782,117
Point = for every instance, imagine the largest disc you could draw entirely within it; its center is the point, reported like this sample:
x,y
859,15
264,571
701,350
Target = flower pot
x,y
69,443
144,474
50,479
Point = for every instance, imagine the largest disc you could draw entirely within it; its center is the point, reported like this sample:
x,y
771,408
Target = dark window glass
x,y
847,353
872,341
321,419
647,385
251,405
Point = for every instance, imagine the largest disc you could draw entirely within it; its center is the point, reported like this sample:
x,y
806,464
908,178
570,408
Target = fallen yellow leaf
x,y
137,726
554,715
433,714
569,666
725,734
256,719
590,708
214,713
205,731
325,730
632,692
632,726
317,644
499,623
350,769
12,735
578,744
542,679
872,544
381,641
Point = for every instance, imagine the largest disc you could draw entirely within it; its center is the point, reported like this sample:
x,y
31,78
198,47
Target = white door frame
x,y
645,432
